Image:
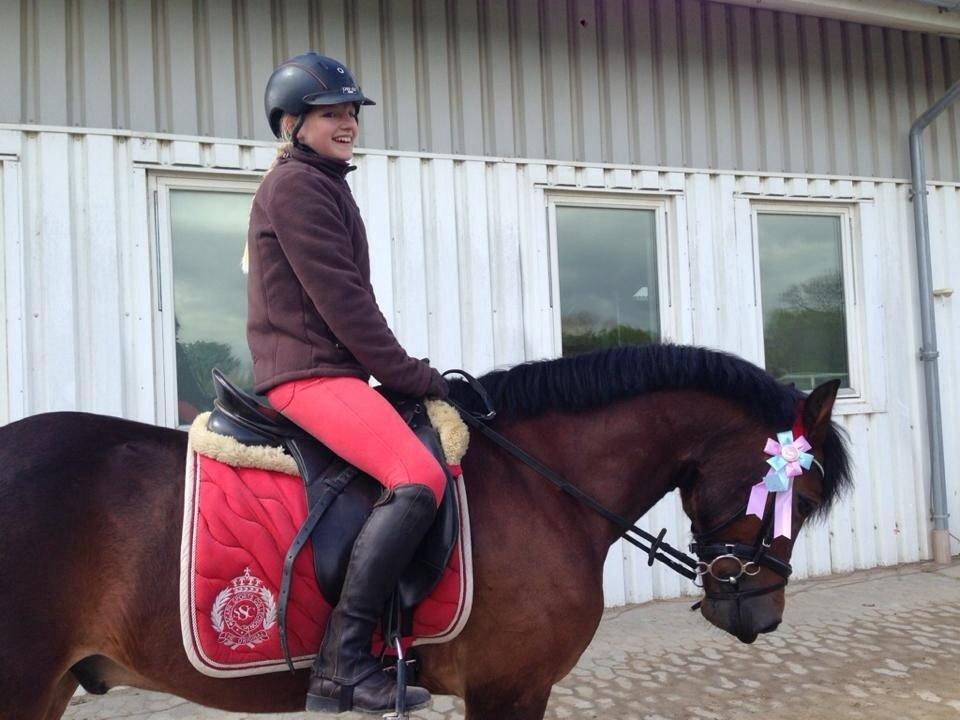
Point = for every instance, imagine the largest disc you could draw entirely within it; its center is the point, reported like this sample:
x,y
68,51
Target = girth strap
x,y
333,488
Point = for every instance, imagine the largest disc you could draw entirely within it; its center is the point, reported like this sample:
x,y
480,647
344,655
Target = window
x,y
807,295
205,227
609,277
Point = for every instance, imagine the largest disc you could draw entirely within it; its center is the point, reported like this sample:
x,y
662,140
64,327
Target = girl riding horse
x,y
316,335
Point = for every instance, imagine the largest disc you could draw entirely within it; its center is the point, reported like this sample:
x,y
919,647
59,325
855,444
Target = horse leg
x,y
481,705
38,699
35,682
61,696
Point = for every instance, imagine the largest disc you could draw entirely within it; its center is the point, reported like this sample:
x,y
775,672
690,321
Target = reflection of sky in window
x,y
210,291
795,249
608,270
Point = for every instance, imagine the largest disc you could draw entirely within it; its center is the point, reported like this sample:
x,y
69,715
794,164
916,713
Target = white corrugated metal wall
x,y
462,258
686,83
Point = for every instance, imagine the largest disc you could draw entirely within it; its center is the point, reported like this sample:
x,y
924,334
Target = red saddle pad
x,y
237,526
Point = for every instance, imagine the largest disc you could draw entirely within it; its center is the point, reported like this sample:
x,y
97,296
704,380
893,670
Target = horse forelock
x,y
593,380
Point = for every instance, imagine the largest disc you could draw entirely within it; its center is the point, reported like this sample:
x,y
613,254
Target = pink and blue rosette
x,y
789,459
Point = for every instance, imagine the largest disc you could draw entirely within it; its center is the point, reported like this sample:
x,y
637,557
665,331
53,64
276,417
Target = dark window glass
x,y
801,281
608,277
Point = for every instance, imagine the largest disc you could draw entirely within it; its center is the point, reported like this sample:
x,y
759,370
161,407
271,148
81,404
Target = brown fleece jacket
x,y
311,309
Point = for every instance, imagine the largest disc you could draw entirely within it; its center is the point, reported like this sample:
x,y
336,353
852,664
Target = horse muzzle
x,y
744,615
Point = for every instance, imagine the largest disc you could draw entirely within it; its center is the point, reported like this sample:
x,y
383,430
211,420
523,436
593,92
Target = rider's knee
x,y
429,474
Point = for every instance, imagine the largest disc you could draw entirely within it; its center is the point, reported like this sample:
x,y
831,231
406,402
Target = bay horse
x,y
92,506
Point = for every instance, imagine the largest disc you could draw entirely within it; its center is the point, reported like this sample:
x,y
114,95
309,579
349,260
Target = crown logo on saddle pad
x,y
243,612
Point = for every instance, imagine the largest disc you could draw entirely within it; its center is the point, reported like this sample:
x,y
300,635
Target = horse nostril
x,y
771,627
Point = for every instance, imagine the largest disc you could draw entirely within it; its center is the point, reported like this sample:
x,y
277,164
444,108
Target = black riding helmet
x,y
307,80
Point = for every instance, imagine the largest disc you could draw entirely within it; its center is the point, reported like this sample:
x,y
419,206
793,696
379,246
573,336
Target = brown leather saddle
x,y
339,499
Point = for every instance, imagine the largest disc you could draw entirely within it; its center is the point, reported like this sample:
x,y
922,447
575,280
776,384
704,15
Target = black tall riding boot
x,y
345,675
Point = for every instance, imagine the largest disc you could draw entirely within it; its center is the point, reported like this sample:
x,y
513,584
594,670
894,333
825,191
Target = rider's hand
x,y
439,389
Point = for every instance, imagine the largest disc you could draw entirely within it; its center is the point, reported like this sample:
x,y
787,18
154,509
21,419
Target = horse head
x,y
748,494
753,460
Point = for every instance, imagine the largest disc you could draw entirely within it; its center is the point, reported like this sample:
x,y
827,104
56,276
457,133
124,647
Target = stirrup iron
x,y
400,711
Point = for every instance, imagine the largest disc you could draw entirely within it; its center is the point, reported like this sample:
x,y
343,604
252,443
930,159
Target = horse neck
x,y
625,455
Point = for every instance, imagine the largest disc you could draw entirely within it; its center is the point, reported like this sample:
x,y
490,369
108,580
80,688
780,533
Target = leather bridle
x,y
750,558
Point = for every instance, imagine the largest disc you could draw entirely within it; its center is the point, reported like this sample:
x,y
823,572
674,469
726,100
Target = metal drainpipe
x,y
940,535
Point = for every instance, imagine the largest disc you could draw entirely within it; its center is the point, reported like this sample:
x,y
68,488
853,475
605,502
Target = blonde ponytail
x,y
283,147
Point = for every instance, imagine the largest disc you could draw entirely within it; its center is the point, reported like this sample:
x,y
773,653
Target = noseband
x,y
750,558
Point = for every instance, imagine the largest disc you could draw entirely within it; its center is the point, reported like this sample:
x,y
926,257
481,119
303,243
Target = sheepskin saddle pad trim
x,y
453,432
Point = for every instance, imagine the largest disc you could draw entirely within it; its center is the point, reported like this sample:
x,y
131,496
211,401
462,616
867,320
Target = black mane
x,y
596,379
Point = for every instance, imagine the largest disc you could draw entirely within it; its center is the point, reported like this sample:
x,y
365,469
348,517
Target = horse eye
x,y
805,506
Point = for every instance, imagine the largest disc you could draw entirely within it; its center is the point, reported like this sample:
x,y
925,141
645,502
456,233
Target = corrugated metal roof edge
x,y
205,140
901,14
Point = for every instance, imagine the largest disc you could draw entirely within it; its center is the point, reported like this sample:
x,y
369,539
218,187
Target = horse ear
x,y
817,407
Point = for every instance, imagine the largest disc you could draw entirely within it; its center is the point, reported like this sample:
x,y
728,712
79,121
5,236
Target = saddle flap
x,y
432,556
333,538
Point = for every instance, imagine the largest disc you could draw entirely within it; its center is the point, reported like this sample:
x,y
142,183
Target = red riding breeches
x,y
359,425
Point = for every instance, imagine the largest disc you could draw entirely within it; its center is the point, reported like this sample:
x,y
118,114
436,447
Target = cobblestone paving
x,y
880,644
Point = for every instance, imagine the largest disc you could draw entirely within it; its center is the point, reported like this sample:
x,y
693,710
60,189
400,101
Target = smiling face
x,y
329,130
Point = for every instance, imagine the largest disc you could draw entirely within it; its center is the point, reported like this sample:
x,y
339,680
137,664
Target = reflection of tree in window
x,y
195,363
191,399
582,332
805,337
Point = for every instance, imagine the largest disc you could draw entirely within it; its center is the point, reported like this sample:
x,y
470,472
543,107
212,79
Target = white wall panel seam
x,y
15,348
6,241
5,385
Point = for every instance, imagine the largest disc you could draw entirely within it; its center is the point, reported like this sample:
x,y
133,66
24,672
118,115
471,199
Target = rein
x,y
654,546
756,555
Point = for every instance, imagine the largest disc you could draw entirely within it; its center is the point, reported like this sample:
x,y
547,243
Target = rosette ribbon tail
x,y
758,500
782,507
783,513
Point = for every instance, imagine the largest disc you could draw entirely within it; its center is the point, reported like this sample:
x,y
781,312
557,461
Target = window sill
x,y
855,406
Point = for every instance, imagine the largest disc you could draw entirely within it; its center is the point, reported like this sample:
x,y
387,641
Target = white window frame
x,y
161,258
667,261
854,398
